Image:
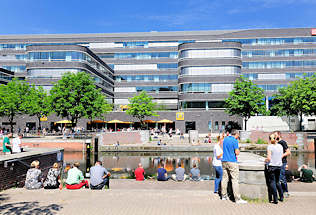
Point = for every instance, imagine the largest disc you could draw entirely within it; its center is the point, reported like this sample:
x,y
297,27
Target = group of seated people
x,y
99,177
163,176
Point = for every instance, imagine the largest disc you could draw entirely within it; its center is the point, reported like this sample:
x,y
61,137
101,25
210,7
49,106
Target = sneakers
x,y
241,201
224,198
286,195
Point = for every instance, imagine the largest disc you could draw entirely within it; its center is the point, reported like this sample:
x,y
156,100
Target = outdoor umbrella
x,y
115,121
164,121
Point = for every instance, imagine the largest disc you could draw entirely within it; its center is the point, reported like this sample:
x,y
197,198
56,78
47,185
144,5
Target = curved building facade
x,y
207,72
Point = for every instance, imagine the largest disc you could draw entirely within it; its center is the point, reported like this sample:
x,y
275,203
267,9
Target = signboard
x,y
43,118
180,116
313,31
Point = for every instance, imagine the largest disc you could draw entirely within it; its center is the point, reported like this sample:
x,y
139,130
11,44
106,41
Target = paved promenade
x,y
149,197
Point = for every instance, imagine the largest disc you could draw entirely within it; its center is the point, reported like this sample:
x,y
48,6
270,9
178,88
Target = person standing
x,y
217,163
16,144
7,147
230,165
286,152
99,177
274,160
139,173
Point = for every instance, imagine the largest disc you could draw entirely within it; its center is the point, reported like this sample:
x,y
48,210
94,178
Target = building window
x,y
216,125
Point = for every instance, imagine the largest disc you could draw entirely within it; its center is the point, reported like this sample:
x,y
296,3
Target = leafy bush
x,y
261,141
248,141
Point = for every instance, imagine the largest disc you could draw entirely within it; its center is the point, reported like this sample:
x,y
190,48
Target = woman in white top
x,y
217,163
274,160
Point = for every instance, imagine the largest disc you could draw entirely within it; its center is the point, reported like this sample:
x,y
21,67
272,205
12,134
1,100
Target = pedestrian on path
x,y
286,152
274,160
217,163
7,147
230,165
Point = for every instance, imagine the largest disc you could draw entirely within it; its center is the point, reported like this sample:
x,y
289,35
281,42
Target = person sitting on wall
x,y
162,173
33,176
53,178
306,174
195,173
7,147
75,179
139,173
99,177
179,176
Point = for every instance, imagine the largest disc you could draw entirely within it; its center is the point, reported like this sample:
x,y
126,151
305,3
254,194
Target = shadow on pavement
x,y
3,197
28,208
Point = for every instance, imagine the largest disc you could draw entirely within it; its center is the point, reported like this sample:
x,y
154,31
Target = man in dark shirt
x,y
286,152
162,173
288,174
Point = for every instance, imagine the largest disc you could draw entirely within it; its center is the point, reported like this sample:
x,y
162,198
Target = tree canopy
x,y
38,103
245,100
14,99
298,98
75,96
141,106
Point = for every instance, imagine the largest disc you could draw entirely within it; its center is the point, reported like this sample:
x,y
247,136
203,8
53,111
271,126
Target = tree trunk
x,y
246,124
11,123
39,122
301,121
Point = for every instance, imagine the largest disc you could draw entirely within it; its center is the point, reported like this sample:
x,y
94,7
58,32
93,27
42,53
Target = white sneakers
x,y
241,201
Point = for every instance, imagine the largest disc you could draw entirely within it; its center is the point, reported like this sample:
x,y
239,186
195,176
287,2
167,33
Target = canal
x,y
122,164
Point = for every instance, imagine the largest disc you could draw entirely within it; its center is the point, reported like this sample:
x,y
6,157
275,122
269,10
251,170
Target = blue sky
x,y
106,16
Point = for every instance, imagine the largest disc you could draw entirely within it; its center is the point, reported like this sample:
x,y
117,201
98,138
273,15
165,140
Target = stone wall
x,y
13,170
67,145
133,137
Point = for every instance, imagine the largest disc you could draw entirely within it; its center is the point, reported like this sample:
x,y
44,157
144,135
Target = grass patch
x,y
256,200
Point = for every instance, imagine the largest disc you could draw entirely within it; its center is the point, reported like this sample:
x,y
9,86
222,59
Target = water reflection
x,y
121,164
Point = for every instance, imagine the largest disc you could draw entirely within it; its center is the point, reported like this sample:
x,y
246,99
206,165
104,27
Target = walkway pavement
x,y
149,197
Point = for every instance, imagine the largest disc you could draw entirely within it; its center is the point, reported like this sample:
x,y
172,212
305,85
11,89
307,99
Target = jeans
x,y
105,182
231,170
266,175
218,178
283,178
274,182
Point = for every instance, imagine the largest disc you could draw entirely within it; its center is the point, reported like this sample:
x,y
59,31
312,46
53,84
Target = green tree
x,y
13,99
38,103
245,100
296,99
75,96
141,106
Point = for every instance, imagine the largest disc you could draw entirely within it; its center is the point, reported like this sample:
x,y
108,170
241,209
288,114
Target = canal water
x,y
122,164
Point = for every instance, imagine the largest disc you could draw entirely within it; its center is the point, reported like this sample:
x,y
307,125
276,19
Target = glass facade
x,y
205,88
278,53
202,104
278,64
278,76
273,87
143,55
210,70
5,76
210,53
69,56
17,69
274,41
157,89
146,44
146,78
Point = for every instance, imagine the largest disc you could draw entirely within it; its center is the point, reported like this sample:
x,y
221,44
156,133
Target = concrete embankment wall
x,y
67,145
13,167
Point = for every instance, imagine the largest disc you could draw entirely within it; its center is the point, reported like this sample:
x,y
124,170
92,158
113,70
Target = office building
x,y
190,72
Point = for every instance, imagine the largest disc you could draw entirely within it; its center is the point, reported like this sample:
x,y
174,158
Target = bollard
x,y
96,149
88,159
